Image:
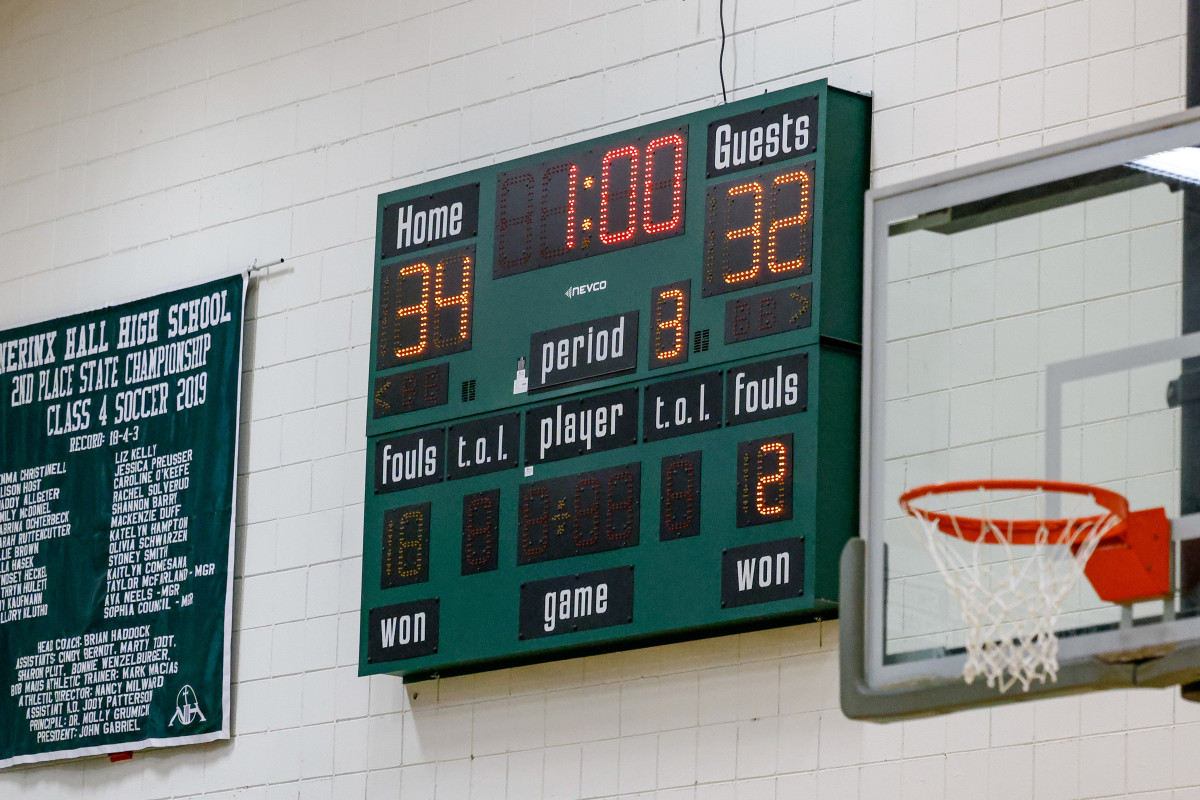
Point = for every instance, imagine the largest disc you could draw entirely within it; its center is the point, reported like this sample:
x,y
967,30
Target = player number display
x,y
576,514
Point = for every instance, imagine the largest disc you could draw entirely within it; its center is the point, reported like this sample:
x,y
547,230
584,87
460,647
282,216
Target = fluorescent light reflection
x,y
1181,164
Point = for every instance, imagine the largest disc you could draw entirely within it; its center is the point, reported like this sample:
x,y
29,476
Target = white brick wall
x,y
148,144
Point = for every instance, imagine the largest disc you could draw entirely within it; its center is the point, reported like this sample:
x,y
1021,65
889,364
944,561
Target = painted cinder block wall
x,y
148,145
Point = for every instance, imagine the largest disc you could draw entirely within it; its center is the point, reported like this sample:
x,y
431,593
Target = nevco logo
x,y
431,220
598,286
762,137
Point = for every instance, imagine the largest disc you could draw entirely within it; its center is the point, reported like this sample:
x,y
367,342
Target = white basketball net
x,y
1010,604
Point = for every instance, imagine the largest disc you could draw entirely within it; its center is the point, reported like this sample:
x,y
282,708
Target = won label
x,y
761,573
404,630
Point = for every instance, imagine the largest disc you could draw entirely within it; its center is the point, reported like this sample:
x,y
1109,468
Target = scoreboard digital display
x,y
614,390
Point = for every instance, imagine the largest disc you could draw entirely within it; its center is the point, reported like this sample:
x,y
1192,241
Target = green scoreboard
x,y
614,391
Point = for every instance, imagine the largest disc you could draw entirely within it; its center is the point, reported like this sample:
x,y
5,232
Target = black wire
x,y
721,60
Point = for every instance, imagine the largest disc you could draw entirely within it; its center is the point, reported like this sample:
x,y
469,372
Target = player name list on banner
x,y
118,442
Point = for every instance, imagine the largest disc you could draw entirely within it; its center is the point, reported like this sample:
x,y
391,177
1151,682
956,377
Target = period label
x,y
583,351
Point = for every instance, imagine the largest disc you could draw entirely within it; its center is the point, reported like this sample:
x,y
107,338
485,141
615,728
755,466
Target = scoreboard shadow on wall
x,y
613,388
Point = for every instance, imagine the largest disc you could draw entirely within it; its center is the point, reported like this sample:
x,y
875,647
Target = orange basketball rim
x,y
1131,563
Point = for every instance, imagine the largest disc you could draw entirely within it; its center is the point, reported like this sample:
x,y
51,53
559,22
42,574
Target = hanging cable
x,y
721,59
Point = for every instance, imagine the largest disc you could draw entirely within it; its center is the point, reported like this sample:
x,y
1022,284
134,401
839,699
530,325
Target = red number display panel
x,y
591,202
589,512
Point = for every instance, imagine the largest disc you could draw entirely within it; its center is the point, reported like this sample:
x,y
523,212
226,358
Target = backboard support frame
x,y
872,689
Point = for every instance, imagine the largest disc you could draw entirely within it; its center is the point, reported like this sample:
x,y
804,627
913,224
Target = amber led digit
x,y
764,480
405,557
426,308
804,181
670,310
758,230
588,512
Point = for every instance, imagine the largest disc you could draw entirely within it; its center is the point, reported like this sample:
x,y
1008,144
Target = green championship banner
x,y
118,453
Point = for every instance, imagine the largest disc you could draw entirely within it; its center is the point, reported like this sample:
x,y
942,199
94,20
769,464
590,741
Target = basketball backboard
x,y
1027,318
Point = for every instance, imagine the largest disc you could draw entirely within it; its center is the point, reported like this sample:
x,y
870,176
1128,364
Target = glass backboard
x,y
1026,319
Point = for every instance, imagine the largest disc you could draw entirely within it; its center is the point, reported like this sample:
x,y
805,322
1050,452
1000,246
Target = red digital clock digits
x,y
590,202
425,308
758,230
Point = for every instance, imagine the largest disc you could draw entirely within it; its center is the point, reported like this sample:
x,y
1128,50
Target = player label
x,y
579,427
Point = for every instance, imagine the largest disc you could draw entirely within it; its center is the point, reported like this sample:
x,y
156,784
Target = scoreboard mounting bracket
x,y
614,390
